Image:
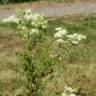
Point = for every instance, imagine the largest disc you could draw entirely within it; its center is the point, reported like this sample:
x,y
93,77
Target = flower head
x,y
58,29
34,31
76,38
60,33
69,91
28,11
60,41
11,19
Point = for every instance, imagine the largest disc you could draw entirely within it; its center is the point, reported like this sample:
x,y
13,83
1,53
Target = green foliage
x,y
4,1
15,1
34,82
35,70
31,29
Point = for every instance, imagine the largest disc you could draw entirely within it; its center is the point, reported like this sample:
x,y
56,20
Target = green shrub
x,y
31,29
39,61
4,1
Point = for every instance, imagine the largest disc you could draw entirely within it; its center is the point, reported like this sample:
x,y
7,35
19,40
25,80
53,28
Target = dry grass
x,y
11,77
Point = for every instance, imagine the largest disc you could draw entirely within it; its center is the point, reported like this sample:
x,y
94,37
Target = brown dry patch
x,y
10,47
27,5
9,74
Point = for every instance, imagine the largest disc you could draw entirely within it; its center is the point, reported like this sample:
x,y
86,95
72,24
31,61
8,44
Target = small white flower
x,y
5,20
58,29
72,95
69,91
60,34
60,41
28,17
23,28
11,19
44,26
34,31
63,32
64,94
75,42
52,55
84,37
76,38
24,37
80,37
36,16
28,11
19,27
60,58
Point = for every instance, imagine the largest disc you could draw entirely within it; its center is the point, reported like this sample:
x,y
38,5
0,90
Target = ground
x,y
51,10
43,3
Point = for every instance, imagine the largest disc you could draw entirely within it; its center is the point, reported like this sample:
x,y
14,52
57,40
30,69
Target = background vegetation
x,y
22,1
15,1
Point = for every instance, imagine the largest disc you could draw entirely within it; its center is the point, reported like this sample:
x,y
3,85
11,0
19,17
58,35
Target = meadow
x,y
77,69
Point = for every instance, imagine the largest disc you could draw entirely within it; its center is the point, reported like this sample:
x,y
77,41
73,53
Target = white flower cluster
x,y
28,23
34,31
69,91
27,15
76,38
60,41
31,33
62,36
33,19
60,33
11,19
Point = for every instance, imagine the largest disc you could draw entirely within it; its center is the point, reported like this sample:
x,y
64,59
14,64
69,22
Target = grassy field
x,y
77,70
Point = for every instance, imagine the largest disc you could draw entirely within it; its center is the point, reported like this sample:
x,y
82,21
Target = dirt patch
x,y
41,4
52,10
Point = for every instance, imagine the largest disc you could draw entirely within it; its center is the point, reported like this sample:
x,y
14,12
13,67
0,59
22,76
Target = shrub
x,y
32,31
4,1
